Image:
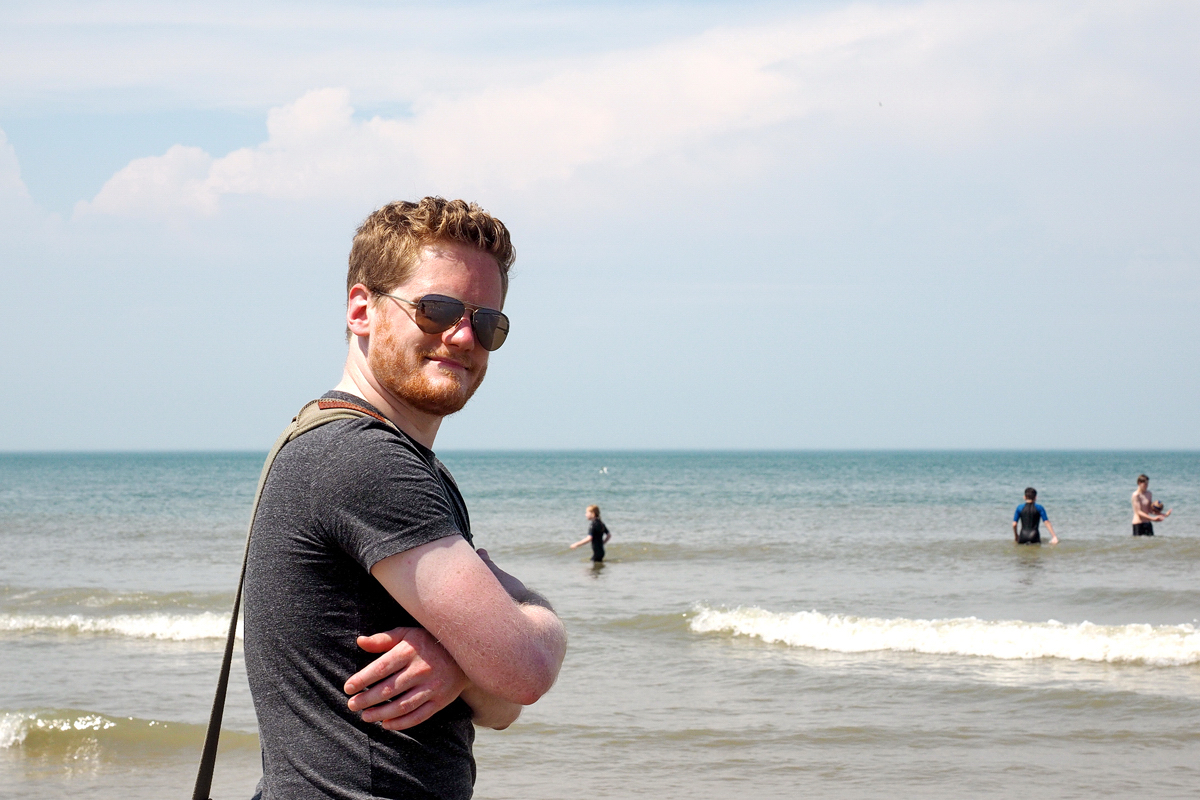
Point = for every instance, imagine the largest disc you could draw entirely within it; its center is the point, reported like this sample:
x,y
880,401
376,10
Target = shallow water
x,y
770,624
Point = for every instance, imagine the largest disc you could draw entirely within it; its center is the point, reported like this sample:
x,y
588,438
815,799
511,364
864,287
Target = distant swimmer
x,y
598,534
1030,514
1145,510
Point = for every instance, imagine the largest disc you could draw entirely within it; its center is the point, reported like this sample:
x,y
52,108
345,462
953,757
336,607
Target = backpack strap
x,y
313,415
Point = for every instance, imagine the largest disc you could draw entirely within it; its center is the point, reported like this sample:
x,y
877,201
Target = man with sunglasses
x,y
361,530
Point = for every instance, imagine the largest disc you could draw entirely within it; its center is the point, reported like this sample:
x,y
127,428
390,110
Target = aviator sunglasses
x,y
436,313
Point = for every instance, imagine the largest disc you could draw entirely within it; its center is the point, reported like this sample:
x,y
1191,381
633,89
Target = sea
x,y
766,624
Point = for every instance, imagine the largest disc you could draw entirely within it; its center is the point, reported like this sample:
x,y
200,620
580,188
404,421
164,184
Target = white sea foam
x,y
175,627
1162,645
15,727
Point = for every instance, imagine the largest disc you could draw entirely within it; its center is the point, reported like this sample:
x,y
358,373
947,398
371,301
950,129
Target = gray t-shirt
x,y
339,499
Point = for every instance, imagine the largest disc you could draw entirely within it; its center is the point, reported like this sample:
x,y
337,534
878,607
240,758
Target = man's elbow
x,y
498,720
536,675
536,681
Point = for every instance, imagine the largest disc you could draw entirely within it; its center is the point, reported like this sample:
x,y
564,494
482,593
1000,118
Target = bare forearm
x,y
525,596
510,650
489,711
545,647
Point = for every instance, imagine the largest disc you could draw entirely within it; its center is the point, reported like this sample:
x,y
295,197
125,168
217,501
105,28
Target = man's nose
x,y
461,335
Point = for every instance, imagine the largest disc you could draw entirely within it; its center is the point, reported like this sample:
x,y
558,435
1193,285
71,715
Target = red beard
x,y
399,370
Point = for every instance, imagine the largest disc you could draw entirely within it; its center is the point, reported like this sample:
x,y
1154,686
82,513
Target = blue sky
x,y
739,225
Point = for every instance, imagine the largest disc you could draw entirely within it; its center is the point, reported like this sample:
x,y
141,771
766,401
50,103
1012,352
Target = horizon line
x,y
697,450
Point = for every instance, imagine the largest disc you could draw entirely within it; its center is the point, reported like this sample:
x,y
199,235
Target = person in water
x,y
1145,510
598,534
1030,514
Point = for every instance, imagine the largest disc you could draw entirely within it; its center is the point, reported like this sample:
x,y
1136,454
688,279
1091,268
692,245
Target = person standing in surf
x,y
1145,512
598,534
1030,514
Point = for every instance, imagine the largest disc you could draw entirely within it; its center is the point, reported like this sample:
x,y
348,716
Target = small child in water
x,y
598,534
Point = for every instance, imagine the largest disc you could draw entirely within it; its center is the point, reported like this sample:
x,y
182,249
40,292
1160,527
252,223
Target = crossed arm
x,y
486,638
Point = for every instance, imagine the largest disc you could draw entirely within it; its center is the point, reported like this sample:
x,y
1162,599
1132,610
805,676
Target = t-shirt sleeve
x,y
379,496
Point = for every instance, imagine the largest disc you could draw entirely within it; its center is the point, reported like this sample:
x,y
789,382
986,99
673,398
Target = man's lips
x,y
446,362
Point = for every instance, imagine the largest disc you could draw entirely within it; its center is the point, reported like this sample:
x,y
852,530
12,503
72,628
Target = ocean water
x,y
770,625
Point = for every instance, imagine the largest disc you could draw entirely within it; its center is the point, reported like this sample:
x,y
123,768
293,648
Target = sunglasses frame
x,y
468,310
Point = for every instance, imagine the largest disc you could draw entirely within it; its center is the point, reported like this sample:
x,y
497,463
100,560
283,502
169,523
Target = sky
x,y
739,225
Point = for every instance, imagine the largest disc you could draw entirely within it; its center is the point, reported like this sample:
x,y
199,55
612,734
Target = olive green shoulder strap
x,y
313,415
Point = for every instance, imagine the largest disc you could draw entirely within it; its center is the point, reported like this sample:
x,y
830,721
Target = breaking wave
x,y
73,731
1157,645
173,627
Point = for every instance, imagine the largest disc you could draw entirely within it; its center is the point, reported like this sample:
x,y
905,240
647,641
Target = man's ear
x,y
357,306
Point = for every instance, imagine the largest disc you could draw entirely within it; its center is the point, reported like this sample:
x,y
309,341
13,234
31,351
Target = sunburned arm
x,y
510,649
413,679
489,711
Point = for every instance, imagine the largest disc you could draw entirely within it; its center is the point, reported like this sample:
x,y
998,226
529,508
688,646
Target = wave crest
x,y
73,732
174,627
1163,645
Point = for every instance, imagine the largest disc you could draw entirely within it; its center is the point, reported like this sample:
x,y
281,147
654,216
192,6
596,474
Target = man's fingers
x,y
401,710
374,673
393,660
384,690
379,642
422,713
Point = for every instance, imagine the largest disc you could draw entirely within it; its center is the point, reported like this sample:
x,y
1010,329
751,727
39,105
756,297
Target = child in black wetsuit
x,y
598,534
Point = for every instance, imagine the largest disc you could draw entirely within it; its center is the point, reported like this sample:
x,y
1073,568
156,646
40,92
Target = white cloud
x,y
179,179
622,108
11,185
948,74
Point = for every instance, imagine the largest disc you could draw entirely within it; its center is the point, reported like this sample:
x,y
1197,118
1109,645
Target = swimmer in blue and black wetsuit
x,y
1029,515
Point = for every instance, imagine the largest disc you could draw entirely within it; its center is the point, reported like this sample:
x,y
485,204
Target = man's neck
x,y
420,426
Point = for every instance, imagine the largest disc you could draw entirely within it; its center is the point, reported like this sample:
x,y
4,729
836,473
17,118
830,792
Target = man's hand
x,y
414,679
516,590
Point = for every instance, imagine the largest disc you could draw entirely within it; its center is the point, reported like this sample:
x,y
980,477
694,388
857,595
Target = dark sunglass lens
x,y
491,328
436,313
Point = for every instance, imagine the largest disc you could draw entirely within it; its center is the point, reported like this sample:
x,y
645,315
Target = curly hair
x,y
389,242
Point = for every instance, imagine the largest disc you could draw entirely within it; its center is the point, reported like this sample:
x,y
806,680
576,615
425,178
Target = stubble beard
x,y
400,371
